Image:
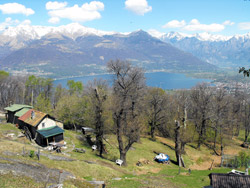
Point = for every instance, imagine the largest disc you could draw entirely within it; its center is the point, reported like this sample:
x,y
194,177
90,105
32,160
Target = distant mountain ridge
x,y
222,51
75,50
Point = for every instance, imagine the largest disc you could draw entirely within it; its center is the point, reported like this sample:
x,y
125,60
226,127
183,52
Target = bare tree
x,y
178,152
98,94
155,109
11,90
246,116
128,86
218,116
182,107
201,97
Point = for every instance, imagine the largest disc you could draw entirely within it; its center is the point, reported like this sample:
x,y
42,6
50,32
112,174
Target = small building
x,y
87,130
13,110
219,180
41,127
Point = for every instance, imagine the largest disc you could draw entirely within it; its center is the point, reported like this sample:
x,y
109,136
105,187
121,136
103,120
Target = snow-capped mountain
x,y
27,46
76,50
229,51
72,30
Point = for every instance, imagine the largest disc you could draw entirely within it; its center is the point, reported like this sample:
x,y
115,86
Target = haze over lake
x,y
156,79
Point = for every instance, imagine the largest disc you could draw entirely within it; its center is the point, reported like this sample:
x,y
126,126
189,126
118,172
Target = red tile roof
x,y
39,116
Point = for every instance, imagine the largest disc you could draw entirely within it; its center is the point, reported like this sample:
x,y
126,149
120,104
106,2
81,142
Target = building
x,y
15,111
41,127
229,180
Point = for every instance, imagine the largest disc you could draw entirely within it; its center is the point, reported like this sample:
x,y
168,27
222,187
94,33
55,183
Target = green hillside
x,y
88,166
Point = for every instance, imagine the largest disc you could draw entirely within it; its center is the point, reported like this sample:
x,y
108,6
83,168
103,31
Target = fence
x,y
233,161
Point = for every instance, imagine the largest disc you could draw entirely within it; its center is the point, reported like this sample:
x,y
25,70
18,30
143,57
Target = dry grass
x,y
105,168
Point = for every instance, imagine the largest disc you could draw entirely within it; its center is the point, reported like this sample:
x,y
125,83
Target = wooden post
x,y
59,178
23,151
222,159
211,167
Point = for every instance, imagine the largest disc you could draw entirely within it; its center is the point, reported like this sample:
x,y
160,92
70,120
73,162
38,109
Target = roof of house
x,y
22,112
38,117
51,131
16,107
218,180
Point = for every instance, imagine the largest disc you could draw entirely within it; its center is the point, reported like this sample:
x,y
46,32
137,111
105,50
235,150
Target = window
x,y
43,125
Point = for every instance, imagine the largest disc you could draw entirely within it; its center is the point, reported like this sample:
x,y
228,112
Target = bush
x,y
243,160
32,153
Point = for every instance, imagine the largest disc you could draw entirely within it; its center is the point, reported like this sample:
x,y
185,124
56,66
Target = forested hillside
x,y
129,114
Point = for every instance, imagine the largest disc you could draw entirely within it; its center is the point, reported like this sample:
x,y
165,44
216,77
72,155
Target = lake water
x,y
157,79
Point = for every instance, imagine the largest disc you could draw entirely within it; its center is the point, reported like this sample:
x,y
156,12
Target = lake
x,y
156,79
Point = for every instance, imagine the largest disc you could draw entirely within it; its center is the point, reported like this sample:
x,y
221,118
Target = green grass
x,y
197,178
149,175
11,181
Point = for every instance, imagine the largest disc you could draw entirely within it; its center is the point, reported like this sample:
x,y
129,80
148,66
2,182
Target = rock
x,y
138,163
79,150
245,145
117,179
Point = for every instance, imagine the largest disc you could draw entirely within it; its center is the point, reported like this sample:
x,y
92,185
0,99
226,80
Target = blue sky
x,y
225,17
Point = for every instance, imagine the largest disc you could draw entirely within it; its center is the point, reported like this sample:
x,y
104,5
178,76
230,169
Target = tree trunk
x,y
123,155
237,132
202,134
215,137
152,130
74,127
178,143
246,134
183,144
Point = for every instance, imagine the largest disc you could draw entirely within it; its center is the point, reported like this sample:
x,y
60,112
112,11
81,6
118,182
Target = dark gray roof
x,y
229,180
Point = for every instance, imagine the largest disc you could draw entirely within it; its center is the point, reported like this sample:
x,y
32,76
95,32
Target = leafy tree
x,y
75,87
36,86
72,110
246,72
3,75
43,104
58,94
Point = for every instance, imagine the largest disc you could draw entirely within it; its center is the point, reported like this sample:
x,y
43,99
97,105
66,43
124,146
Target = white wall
x,y
47,123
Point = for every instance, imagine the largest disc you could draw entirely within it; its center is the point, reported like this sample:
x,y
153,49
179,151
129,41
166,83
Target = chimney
x,y
32,114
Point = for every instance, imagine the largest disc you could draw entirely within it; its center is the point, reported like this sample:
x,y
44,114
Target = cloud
x,y
155,33
54,20
195,25
139,7
8,22
174,24
26,22
55,5
244,26
86,12
15,8
228,22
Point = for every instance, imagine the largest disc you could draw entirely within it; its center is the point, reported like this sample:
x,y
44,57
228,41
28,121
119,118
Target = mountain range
x,y
219,50
75,50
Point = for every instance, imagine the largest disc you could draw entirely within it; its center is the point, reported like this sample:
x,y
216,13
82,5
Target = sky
x,y
222,17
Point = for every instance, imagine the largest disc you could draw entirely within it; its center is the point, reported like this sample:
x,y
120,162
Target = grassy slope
x,y
148,175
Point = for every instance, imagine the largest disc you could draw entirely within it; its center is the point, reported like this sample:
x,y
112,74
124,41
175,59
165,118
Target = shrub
x,y
243,160
32,153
